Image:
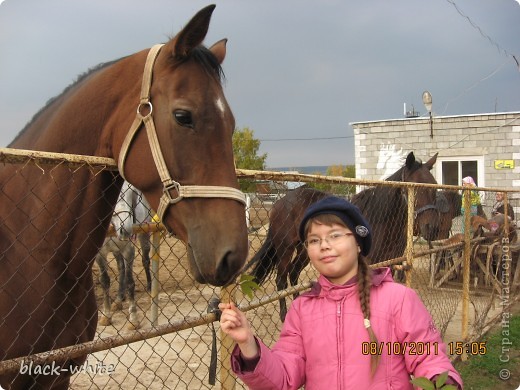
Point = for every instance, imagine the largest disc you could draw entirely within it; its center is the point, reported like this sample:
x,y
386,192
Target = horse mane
x,y
201,55
378,203
398,175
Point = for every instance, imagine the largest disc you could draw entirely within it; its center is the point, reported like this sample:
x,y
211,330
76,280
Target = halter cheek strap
x,y
190,191
421,209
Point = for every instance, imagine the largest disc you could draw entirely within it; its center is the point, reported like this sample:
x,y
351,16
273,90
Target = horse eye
x,y
183,118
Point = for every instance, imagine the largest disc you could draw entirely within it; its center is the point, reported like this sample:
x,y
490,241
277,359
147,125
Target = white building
x,y
484,146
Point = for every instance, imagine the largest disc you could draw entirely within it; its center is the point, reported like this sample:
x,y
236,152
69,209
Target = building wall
x,y
380,146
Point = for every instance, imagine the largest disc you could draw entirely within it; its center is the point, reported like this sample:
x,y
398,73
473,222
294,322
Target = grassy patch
x,y
485,371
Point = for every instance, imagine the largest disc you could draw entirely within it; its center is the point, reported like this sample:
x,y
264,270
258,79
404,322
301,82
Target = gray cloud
x,y
295,68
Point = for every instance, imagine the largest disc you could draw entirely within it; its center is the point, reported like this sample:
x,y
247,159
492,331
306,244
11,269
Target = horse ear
x,y
410,160
194,32
429,164
219,50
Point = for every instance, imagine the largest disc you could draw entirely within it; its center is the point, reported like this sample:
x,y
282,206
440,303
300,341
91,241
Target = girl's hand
x,y
234,323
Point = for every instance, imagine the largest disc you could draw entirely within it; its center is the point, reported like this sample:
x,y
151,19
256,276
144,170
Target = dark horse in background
x,y
384,207
53,225
449,204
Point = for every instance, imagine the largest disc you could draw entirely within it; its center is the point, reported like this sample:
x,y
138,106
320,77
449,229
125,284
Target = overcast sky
x,y
295,69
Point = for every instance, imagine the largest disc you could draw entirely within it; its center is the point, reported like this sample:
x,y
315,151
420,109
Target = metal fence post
x,y
466,201
154,311
409,235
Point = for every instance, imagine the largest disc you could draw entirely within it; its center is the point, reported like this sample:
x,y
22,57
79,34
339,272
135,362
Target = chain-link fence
x,y
465,279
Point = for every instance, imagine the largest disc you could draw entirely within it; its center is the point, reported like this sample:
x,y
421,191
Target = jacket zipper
x,y
339,337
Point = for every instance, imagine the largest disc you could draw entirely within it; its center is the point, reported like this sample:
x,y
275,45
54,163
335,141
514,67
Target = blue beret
x,y
348,213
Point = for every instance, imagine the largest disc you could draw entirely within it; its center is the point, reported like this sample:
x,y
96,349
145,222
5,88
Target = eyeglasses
x,y
331,239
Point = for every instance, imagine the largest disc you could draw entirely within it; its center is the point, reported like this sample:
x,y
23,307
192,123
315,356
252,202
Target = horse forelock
x,y
202,56
398,175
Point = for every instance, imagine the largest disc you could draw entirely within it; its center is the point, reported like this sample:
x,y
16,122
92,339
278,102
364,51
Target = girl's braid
x,y
364,285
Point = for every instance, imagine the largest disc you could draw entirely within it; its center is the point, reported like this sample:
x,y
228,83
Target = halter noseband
x,y
425,208
190,191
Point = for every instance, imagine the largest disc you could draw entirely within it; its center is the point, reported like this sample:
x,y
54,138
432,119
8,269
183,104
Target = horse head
x,y
184,163
427,219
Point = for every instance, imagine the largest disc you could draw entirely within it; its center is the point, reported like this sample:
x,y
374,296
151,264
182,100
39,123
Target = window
x,y
451,170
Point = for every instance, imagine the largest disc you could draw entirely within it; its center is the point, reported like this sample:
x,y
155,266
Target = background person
x,y
475,201
498,207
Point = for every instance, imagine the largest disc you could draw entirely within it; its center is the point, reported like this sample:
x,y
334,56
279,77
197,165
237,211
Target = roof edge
x,y
435,116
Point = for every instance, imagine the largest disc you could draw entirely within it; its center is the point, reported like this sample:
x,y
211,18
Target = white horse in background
x,y
131,208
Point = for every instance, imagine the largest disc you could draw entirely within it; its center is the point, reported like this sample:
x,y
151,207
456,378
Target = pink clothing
x,y
320,345
469,180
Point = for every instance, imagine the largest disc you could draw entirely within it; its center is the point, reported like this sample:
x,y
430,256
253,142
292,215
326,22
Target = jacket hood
x,y
324,287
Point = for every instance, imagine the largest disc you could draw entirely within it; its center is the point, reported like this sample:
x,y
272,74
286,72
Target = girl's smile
x,y
328,259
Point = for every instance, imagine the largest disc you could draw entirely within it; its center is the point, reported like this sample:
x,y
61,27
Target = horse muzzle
x,y
219,265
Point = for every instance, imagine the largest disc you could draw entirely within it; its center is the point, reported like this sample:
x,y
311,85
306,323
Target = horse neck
x,y
455,201
380,203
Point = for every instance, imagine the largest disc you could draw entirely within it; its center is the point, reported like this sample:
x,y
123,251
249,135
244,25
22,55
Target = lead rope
x,y
213,309
191,191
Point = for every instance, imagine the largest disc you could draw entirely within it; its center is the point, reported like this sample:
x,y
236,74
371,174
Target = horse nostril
x,y
226,270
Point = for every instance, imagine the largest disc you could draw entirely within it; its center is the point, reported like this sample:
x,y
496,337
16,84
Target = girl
x,y
474,196
356,328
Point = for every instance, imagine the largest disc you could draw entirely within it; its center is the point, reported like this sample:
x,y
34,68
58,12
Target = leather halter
x,y
425,208
189,191
421,209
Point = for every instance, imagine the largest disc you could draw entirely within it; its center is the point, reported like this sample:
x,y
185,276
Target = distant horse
x,y
384,207
449,204
178,152
131,209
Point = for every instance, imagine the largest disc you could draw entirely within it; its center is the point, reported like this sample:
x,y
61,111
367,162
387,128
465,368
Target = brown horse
x,y
384,207
449,203
53,224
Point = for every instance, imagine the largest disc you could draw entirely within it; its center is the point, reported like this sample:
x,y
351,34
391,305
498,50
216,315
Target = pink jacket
x,y
321,343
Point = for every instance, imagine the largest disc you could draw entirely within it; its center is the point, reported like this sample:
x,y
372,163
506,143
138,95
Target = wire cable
x,y
481,32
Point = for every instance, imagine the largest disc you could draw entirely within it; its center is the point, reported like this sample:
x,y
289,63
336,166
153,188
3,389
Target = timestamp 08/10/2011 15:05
x,y
423,348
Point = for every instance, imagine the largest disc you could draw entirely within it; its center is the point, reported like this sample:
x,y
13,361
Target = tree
x,y
245,150
338,189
